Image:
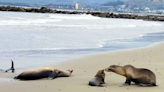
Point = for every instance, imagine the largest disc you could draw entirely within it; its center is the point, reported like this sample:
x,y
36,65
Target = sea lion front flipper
x,y
52,76
100,85
128,80
103,81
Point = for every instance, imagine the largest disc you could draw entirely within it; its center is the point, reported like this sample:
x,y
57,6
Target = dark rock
x,y
98,14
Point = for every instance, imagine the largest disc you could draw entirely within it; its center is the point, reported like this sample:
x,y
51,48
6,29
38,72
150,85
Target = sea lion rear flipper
x,y
12,67
53,75
7,70
146,85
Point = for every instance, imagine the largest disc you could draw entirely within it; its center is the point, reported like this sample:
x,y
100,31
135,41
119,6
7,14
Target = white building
x,y
79,6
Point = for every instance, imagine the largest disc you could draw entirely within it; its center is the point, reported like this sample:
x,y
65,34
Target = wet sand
x,y
85,68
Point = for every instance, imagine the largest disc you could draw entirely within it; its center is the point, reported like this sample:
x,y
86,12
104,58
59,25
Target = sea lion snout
x,y
101,71
70,71
107,69
112,68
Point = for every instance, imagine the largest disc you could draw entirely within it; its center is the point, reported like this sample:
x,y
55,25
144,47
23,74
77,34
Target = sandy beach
x,y
85,68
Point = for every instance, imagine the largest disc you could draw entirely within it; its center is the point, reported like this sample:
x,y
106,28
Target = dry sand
x,y
85,68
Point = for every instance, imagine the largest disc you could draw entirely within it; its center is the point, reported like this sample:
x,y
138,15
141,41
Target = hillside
x,y
114,3
40,2
144,3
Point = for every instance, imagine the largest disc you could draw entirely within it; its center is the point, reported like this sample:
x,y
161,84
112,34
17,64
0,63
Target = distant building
x,y
79,6
61,6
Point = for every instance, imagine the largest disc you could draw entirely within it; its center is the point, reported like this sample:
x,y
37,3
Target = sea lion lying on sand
x,y
48,72
132,74
98,80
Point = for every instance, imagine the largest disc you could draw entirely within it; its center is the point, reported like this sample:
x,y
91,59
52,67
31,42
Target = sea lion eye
x,y
109,68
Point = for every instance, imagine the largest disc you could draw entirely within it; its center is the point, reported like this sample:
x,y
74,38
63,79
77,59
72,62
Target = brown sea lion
x,y
132,74
48,72
98,80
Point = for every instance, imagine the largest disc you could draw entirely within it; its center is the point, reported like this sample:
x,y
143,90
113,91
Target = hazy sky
x,y
59,1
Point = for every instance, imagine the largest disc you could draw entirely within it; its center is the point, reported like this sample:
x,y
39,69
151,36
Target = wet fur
x,y
50,73
98,80
132,74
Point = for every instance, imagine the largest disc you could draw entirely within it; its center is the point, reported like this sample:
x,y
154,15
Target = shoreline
x,y
85,68
98,14
31,55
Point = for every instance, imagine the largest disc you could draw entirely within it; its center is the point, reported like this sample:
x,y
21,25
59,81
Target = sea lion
x,y
132,74
98,80
12,68
48,72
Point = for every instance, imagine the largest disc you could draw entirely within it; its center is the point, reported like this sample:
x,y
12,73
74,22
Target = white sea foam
x,y
27,21
31,31
149,24
74,17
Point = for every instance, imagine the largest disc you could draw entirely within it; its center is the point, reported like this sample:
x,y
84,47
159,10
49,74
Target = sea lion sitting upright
x,y
48,72
98,80
132,74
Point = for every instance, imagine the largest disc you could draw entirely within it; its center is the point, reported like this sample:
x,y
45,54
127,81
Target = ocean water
x,y
37,39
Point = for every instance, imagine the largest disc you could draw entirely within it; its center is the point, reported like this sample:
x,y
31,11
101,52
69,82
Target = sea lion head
x,y
101,73
111,68
115,68
70,70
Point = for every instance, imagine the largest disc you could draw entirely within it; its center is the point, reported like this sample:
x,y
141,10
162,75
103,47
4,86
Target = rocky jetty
x,y
98,14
